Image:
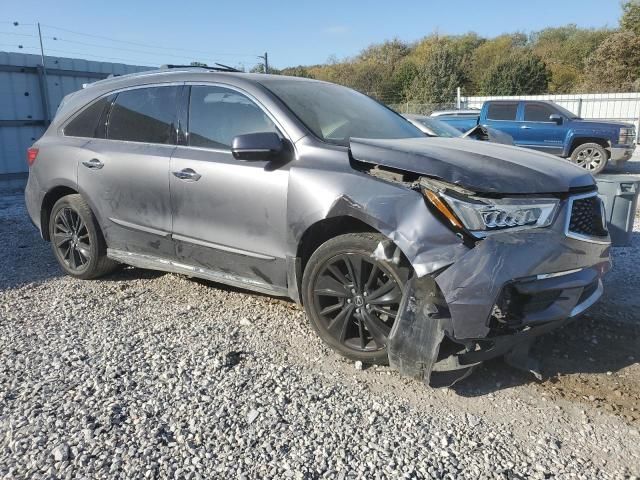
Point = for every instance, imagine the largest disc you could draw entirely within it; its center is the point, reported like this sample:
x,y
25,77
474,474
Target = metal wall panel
x,y
22,114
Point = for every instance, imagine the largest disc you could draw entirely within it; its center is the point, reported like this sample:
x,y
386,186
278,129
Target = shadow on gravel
x,y
583,362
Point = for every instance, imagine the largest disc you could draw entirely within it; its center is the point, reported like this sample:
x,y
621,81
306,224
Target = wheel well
x,y
324,230
582,140
48,202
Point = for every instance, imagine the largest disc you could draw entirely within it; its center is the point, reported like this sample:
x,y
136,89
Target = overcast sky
x,y
292,32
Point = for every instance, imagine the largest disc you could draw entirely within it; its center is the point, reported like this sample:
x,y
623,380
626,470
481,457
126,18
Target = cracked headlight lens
x,y
481,216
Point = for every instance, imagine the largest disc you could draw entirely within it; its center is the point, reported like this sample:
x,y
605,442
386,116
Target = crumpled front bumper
x,y
509,288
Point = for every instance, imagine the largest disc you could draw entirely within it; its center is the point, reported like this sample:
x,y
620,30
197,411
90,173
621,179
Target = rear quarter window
x,y
502,111
88,122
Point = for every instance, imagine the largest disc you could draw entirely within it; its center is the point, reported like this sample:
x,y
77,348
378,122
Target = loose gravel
x,y
151,375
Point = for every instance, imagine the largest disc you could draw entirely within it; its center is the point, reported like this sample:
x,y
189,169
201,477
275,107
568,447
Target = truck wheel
x,y
351,297
590,156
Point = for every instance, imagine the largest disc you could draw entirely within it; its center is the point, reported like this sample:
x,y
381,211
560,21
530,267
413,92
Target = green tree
x,y
299,71
565,51
438,78
520,74
489,54
615,65
630,20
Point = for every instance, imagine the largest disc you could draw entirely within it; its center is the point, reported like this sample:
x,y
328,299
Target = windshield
x,y
335,113
440,128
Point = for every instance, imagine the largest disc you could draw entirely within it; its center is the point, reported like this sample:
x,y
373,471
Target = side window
x,y
502,111
87,123
144,115
217,114
537,112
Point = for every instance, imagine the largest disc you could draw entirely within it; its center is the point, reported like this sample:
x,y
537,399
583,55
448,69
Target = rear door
x,y
538,132
503,116
125,176
229,216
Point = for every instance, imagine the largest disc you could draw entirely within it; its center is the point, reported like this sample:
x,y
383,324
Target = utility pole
x,y
44,84
265,57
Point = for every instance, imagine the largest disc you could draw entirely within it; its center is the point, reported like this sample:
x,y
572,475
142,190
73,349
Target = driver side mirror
x,y
254,147
555,118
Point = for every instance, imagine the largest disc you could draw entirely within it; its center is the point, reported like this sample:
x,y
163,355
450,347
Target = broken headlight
x,y
481,215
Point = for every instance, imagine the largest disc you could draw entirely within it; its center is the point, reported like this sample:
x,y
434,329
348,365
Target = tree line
x,y
557,60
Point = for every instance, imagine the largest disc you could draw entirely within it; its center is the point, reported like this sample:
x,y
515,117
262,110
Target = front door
x,y
229,216
540,133
126,175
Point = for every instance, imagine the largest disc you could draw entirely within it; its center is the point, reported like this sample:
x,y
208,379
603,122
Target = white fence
x,y
623,107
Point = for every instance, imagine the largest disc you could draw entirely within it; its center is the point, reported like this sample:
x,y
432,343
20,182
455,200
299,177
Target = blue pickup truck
x,y
547,127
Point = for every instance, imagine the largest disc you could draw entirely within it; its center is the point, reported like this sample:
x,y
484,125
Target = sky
x,y
293,33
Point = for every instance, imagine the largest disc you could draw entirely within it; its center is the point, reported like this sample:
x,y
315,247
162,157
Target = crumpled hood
x,y
479,166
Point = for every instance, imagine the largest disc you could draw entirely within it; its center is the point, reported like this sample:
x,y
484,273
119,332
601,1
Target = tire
x,y
590,156
76,239
353,318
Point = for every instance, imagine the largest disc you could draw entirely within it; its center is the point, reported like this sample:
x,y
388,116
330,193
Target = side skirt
x,y
165,265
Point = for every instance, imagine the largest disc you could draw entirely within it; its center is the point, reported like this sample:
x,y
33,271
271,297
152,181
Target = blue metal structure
x,y
28,102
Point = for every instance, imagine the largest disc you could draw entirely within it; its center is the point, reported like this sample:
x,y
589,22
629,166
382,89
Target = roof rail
x,y
220,67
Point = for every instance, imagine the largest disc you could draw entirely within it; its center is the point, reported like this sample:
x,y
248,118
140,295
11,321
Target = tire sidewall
x,y
75,203
363,244
596,146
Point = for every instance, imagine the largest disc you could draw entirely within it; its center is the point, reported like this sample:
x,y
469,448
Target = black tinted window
x,y
502,111
538,112
144,115
217,114
87,123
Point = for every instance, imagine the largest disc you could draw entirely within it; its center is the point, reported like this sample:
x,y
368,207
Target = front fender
x,y
393,209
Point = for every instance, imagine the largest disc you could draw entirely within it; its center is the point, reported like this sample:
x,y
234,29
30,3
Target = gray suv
x,y
432,254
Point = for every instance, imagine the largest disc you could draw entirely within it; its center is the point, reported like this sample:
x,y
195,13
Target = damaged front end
x,y
534,263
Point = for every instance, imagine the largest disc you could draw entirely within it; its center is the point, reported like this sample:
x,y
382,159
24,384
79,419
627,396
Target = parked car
x,y
434,253
548,127
432,127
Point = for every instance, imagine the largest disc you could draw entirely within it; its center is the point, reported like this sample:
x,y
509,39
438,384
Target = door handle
x,y
187,174
94,164
524,127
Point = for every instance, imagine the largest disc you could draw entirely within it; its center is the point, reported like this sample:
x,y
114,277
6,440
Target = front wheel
x,y
351,297
590,156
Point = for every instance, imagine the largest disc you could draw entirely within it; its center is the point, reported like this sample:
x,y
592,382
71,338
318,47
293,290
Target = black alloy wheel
x,y
71,239
353,298
76,239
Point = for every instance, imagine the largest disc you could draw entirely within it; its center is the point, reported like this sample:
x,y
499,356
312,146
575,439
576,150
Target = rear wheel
x,y
352,298
76,239
590,156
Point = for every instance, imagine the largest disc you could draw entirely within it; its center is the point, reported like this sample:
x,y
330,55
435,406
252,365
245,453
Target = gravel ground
x,y
145,374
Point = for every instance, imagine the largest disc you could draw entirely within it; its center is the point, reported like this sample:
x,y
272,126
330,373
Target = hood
x,y
479,166
602,123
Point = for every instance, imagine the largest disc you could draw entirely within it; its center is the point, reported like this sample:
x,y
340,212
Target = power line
x,y
149,45
157,51
162,54
18,34
81,54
